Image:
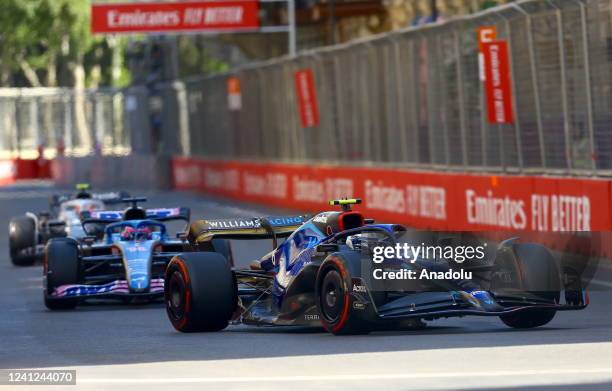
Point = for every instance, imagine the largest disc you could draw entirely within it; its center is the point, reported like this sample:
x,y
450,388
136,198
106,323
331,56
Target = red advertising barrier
x,y
8,171
14,169
175,16
544,206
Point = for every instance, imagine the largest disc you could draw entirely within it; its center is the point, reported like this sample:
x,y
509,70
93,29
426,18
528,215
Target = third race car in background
x,y
29,233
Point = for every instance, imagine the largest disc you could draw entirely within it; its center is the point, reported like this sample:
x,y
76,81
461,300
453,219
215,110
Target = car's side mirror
x,y
182,236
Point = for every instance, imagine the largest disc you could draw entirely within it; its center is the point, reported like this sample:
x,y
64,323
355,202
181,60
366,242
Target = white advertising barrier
x,y
8,171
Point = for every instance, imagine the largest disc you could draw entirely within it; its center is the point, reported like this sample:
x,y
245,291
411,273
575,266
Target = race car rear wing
x,y
158,214
270,227
109,198
94,222
112,197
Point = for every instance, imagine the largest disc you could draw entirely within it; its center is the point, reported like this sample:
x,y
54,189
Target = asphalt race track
x,y
135,347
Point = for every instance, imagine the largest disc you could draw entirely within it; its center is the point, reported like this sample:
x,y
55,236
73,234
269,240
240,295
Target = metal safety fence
x,y
52,120
409,98
414,98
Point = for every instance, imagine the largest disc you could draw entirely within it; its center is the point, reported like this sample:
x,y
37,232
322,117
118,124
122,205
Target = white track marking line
x,y
602,283
605,264
346,377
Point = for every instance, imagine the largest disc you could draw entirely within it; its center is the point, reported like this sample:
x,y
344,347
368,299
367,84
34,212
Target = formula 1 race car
x,y
321,274
28,234
124,256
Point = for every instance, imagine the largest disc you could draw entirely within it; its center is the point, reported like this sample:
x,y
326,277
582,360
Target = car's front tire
x,y
528,319
200,292
61,267
333,296
537,272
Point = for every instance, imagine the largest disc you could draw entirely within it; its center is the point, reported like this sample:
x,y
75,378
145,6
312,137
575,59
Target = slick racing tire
x,y
22,235
333,296
537,273
200,292
61,267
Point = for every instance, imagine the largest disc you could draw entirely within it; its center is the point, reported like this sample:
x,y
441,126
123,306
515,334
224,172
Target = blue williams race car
x,y
124,256
323,273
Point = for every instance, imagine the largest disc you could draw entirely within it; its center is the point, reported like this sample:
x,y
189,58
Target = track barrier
x,y
543,207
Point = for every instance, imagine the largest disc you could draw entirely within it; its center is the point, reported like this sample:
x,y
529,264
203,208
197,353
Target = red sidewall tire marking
x,y
345,310
187,298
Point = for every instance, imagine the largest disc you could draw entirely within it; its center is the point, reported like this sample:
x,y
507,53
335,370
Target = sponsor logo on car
x,y
281,221
165,212
322,217
106,215
237,223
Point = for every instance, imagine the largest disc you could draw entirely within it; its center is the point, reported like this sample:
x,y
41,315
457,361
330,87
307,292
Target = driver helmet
x,y
83,195
128,233
144,233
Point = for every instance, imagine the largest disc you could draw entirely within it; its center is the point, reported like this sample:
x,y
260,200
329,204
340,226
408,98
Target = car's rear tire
x,y
333,297
539,275
200,292
22,235
61,267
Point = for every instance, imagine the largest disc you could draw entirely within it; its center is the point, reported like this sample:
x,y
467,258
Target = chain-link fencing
x,y
409,98
62,120
414,98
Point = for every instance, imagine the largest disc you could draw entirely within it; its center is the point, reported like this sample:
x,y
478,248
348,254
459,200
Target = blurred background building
x,y
319,23
47,42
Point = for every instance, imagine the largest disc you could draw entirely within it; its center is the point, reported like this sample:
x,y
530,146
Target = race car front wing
x,y
115,288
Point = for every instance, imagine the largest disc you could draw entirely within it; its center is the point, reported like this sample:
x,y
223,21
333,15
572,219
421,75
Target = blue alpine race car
x,y
124,256
323,273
